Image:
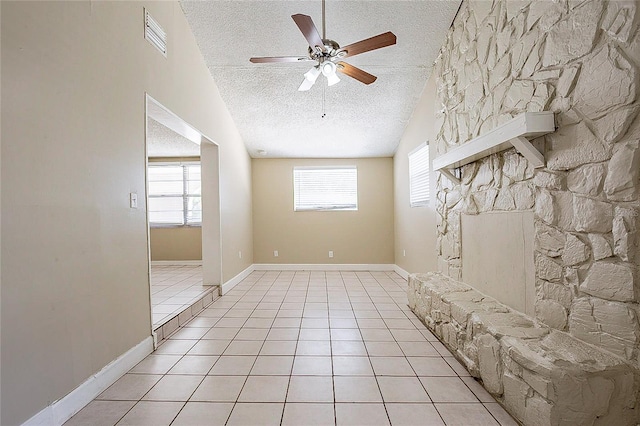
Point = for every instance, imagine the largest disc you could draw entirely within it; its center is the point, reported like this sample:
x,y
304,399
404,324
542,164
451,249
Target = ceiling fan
x,y
329,55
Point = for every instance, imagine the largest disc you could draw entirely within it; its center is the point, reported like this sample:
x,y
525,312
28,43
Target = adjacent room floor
x,y
300,348
173,289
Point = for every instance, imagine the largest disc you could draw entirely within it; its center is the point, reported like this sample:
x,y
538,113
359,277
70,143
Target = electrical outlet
x,y
240,254
275,253
330,253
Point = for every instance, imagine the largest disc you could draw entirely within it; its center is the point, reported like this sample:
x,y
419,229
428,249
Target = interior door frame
x,y
210,172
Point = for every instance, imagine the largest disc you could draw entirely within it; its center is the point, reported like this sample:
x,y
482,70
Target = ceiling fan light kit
x,y
312,74
306,85
328,68
329,71
328,54
332,79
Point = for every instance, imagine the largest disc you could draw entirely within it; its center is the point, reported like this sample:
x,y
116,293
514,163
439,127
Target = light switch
x,y
133,200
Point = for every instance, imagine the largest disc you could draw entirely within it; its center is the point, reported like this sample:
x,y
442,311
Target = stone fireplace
x,y
580,60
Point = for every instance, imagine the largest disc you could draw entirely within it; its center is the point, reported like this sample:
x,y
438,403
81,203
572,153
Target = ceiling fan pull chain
x,y
323,113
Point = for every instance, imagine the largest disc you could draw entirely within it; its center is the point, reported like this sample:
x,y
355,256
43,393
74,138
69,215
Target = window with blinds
x,y
325,188
419,176
174,194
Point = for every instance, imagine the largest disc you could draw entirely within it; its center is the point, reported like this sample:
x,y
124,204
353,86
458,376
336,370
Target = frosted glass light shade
x,y
312,74
329,71
306,85
332,79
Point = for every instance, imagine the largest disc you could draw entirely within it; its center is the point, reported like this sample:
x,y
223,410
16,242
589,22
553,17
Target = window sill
x,y
174,226
325,210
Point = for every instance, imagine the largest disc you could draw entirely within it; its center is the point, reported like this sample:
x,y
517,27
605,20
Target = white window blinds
x,y
325,188
174,194
419,176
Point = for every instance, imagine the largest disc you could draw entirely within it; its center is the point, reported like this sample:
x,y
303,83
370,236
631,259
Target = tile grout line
x,y
252,365
286,394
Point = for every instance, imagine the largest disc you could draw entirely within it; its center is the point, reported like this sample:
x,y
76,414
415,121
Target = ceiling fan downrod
x,y
324,22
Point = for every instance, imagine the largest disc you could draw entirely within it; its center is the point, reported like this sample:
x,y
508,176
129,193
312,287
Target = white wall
x,y
75,289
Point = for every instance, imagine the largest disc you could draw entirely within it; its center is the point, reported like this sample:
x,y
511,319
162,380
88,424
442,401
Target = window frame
x,y
185,194
298,208
416,187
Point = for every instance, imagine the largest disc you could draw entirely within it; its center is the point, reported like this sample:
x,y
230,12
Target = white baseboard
x,y
323,267
224,288
176,263
63,409
398,270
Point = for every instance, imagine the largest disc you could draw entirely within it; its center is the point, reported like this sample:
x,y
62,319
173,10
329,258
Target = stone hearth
x,y
540,375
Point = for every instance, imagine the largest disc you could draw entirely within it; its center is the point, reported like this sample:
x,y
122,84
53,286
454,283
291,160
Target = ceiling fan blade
x,y
373,43
267,59
309,30
355,72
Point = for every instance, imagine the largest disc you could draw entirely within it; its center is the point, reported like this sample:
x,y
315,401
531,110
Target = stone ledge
x,y
540,375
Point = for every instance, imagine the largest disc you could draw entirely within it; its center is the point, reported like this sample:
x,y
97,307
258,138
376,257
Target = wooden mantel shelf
x,y
514,133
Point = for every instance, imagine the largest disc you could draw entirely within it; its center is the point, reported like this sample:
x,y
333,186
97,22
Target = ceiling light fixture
x,y
332,79
312,74
310,78
329,71
327,68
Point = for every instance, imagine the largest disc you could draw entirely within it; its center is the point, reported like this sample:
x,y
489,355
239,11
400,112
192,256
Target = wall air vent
x,y
154,33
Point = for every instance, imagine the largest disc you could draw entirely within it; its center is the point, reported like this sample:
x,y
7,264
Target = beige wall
x,y
211,224
75,289
0,219
176,243
415,227
356,237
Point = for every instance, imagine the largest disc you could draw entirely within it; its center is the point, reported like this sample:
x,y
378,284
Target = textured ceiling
x,y
164,142
263,99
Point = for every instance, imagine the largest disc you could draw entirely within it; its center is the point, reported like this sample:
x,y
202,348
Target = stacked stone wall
x,y
579,59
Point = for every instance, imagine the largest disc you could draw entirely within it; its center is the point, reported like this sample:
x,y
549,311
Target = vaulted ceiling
x,y
346,120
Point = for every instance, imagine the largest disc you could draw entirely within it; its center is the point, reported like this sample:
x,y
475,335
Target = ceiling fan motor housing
x,y
332,50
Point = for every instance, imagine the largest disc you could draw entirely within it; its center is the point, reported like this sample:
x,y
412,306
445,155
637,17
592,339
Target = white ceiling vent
x,y
154,33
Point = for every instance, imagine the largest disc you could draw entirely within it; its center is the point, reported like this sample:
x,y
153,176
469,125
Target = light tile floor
x,y
300,348
173,289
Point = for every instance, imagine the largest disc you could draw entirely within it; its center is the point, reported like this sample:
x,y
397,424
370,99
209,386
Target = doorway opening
x,y
183,218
